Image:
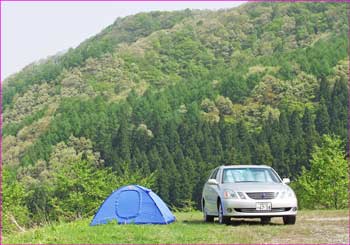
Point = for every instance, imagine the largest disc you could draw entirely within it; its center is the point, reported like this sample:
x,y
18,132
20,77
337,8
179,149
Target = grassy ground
x,y
311,227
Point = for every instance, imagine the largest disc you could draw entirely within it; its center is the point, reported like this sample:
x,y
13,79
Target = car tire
x,y
222,219
206,217
289,220
265,220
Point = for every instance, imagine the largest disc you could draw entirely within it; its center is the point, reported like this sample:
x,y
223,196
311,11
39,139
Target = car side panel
x,y
215,193
211,199
210,195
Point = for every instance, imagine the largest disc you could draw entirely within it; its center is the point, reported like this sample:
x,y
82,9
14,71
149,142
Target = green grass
x,y
311,227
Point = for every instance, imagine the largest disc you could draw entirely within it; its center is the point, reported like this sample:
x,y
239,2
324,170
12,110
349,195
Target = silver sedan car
x,y
248,191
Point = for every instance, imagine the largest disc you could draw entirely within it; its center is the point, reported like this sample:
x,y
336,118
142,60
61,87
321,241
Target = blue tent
x,y
133,204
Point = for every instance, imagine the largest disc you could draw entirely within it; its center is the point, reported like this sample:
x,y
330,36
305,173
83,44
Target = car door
x,y
211,194
207,190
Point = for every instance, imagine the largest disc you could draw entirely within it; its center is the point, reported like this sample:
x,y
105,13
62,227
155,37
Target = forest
x,y
161,98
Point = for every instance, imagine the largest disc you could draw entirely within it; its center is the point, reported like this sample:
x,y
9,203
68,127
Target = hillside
x,y
161,98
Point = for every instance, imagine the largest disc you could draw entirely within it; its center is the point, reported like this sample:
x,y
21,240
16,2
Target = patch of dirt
x,y
328,219
311,229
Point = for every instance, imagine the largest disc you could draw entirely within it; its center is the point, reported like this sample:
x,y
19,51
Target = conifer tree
x,y
244,151
154,160
324,91
322,118
296,147
171,173
184,177
338,108
171,135
144,164
122,141
134,165
310,133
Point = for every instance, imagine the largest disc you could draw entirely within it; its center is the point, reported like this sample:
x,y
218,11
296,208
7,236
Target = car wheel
x,y
222,219
206,217
265,220
289,220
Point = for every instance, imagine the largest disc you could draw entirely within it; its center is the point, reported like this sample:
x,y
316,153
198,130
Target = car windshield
x,y
238,175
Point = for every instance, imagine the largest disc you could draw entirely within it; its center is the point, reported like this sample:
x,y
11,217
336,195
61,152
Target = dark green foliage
x,y
338,110
122,141
322,118
297,146
235,88
310,133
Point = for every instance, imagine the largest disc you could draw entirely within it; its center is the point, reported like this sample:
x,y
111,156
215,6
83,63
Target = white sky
x,y
34,30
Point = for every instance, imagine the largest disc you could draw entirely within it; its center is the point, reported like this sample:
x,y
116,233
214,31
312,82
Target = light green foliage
x,y
208,106
301,89
325,184
210,112
14,212
143,131
340,71
34,100
224,105
274,91
13,128
15,146
73,84
78,185
110,70
253,114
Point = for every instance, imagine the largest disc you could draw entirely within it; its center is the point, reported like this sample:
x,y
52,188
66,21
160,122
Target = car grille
x,y
253,210
262,195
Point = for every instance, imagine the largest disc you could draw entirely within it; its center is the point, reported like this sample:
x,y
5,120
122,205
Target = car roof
x,y
245,166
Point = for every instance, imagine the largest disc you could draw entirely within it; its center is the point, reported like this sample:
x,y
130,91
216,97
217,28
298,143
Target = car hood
x,y
256,187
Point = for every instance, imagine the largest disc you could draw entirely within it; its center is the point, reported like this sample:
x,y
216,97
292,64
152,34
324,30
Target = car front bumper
x,y
246,208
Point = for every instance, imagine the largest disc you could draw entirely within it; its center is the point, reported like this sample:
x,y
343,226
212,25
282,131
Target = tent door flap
x,y
128,204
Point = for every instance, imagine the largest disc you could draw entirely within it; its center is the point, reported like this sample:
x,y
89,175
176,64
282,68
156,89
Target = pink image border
x,y
280,1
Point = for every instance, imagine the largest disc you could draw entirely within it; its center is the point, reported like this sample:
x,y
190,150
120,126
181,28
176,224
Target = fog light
x,y
229,210
241,195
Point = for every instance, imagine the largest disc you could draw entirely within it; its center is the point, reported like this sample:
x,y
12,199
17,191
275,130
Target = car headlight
x,y
290,193
286,194
228,194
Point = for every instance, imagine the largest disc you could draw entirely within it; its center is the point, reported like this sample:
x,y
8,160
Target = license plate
x,y
263,206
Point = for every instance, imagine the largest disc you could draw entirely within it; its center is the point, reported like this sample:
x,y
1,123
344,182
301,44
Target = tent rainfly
x,y
133,204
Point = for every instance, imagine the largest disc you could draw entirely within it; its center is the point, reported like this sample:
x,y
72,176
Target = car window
x,y
213,175
234,175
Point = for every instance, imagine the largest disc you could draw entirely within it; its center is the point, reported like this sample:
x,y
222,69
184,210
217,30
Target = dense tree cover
x,y
162,98
167,138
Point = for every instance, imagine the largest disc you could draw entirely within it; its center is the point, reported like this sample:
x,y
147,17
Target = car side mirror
x,y
286,181
212,182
